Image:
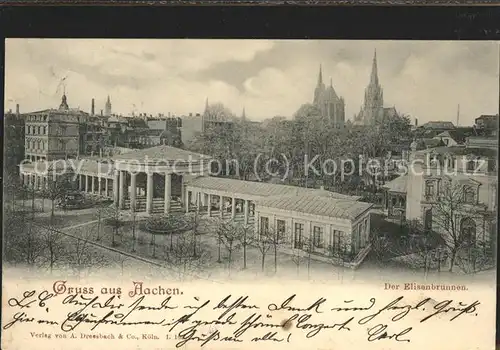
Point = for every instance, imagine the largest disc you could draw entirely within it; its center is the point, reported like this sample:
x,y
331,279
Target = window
x,y
264,225
335,240
45,130
280,228
429,189
469,196
471,165
318,237
298,233
450,162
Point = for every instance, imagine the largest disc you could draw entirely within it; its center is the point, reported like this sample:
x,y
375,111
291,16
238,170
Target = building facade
x,y
372,111
330,105
53,133
453,191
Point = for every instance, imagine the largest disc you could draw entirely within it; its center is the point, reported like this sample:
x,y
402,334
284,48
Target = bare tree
x,y
22,241
82,255
57,188
180,256
450,209
114,220
245,238
229,236
193,222
54,247
263,243
276,239
297,258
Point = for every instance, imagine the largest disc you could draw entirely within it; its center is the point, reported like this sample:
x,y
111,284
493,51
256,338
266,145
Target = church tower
x,y
373,109
107,107
330,105
320,88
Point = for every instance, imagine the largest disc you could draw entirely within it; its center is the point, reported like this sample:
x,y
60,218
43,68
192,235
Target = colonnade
x,y
204,200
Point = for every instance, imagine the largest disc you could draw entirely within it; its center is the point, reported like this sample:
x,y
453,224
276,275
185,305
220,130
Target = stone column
x,y
221,206
121,195
168,192
133,191
86,183
106,188
187,201
149,194
116,180
257,223
246,209
183,190
198,201
233,208
209,205
93,184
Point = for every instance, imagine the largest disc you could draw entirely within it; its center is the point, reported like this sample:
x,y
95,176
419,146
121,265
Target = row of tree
x,y
294,143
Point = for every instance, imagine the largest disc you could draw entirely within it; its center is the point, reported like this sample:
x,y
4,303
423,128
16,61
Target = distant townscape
x,y
216,195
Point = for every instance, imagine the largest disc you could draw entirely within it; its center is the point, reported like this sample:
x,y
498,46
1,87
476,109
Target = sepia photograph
x,y
157,164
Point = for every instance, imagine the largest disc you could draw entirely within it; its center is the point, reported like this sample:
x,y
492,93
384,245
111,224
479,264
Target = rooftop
x,y
438,125
262,189
321,206
160,154
460,151
397,185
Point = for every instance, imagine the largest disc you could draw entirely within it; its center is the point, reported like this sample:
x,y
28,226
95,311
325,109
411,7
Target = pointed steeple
x,y
320,76
107,107
374,76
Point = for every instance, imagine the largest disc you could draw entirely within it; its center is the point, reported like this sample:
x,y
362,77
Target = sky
x,y
425,80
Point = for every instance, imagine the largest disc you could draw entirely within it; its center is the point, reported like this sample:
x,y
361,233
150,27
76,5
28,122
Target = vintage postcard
x,y
250,194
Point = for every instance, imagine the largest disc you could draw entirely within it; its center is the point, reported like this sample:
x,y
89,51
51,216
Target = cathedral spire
x,y
320,76
374,76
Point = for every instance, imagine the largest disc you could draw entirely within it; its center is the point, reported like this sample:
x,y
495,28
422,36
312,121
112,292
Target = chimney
x,y
416,121
92,109
17,108
101,112
10,111
190,114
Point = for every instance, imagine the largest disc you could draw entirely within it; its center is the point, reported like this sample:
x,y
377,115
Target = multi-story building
x,y
487,125
330,105
53,133
14,139
453,191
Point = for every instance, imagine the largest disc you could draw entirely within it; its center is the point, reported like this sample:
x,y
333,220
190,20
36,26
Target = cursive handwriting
x,y
285,305
378,332
233,318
